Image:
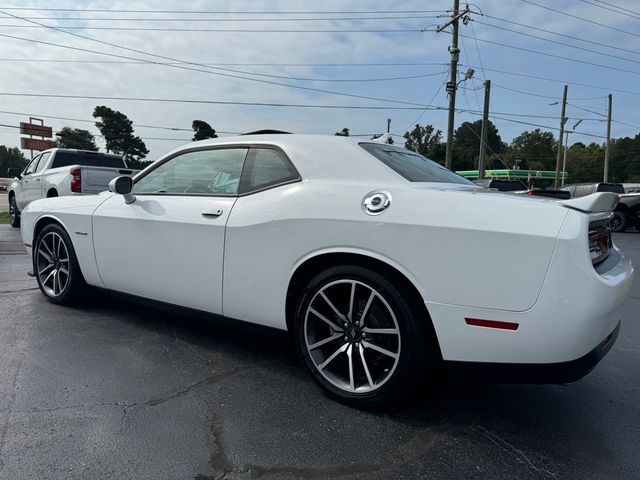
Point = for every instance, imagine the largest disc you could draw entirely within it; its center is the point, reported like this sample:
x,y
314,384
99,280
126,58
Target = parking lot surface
x,y
115,390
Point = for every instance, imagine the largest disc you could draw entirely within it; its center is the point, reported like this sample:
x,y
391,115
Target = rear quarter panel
x,y
458,247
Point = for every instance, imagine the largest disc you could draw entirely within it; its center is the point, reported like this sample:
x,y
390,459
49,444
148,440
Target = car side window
x,y
266,167
32,166
43,161
201,172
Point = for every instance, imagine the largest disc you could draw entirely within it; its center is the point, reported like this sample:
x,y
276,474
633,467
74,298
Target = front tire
x,y
56,266
363,340
14,213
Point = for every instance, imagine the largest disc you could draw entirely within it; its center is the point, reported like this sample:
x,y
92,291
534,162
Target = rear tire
x,y
56,267
364,341
14,213
619,221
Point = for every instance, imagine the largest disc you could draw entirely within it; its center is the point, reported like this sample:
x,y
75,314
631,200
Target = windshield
x,y
412,166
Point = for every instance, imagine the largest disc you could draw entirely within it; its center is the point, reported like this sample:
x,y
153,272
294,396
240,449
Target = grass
x,y
4,218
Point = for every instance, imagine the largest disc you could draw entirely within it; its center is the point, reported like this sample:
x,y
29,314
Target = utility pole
x,y
563,120
451,84
607,145
485,129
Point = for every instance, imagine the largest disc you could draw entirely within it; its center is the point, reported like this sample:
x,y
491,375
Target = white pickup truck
x,y
62,171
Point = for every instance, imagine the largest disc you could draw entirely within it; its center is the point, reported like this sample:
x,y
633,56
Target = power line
x,y
555,80
224,12
294,19
552,55
572,37
587,110
589,50
315,65
220,102
611,9
493,84
618,7
603,25
179,66
224,30
177,129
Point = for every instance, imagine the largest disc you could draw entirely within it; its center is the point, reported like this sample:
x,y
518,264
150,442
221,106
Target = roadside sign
x,y
35,144
36,130
35,127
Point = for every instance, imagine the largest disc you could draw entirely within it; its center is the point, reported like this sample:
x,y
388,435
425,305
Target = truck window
x,y
64,159
43,161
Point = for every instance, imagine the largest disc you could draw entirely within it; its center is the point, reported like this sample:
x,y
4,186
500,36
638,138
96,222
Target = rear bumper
x,y
562,372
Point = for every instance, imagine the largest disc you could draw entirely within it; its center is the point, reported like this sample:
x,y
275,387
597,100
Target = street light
x,y
566,146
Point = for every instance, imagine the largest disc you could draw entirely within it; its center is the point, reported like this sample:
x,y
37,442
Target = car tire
x,y
14,213
363,341
56,267
619,221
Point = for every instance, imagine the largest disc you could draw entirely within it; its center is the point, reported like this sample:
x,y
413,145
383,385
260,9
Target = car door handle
x,y
214,212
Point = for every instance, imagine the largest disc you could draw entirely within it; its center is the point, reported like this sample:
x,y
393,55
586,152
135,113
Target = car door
x,y
27,184
35,192
168,244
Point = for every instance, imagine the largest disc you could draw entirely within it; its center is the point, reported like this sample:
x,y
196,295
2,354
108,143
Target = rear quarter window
x,y
413,166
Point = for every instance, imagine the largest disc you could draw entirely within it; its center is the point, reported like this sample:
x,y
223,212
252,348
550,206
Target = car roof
x,y
315,156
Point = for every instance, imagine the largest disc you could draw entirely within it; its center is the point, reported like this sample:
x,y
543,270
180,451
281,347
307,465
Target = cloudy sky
x,y
336,52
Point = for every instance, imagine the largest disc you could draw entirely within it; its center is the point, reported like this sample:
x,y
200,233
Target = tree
x,y
466,144
117,131
535,146
75,138
11,158
202,130
343,133
427,141
585,163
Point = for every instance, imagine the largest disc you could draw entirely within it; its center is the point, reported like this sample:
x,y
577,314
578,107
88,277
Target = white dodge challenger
x,y
382,264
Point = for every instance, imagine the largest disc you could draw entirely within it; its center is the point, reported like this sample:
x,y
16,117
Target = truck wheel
x,y
619,221
14,213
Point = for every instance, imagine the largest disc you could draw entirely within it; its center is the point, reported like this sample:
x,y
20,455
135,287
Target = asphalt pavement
x,y
115,390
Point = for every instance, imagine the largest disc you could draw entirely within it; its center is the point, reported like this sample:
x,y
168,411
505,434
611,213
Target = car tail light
x,y
599,243
76,180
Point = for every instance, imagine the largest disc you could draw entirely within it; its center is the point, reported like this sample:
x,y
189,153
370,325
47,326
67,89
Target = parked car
x,y
520,188
59,172
627,212
384,266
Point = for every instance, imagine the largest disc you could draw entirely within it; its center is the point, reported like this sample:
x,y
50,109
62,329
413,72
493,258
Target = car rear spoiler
x,y
594,203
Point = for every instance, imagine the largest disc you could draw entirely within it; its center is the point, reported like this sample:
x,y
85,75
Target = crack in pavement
x,y
5,426
224,468
504,445
3,292
210,380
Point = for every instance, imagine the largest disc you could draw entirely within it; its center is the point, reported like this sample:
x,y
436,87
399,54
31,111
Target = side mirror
x,y
14,172
123,186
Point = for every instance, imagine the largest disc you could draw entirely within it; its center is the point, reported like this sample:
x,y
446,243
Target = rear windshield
x,y
611,187
64,159
412,166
